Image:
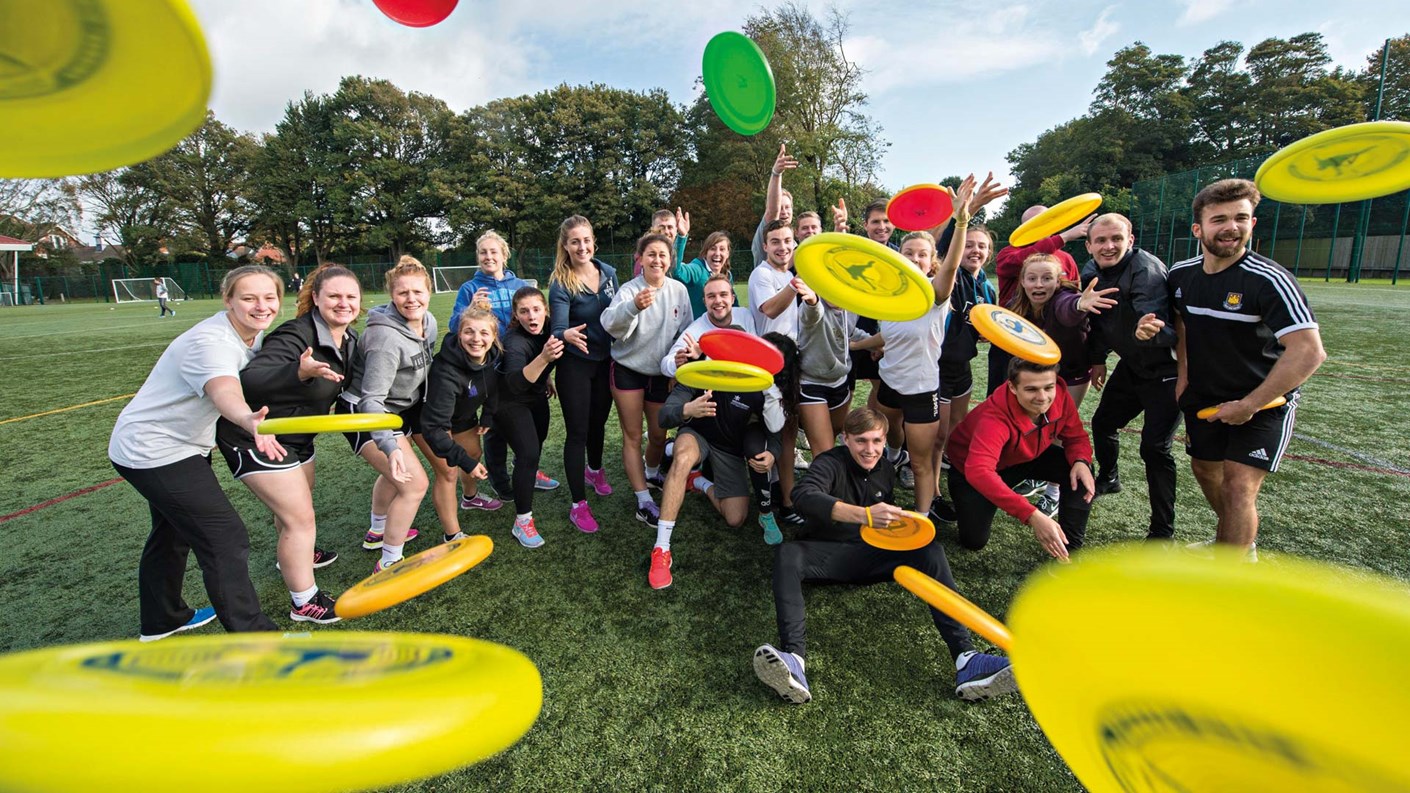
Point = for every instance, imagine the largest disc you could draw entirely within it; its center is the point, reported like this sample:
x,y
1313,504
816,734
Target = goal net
x,y
7,298
450,279
144,290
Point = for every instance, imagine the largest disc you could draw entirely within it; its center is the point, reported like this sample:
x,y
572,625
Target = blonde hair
x,y
929,240
478,314
237,274
563,265
408,266
493,236
1020,303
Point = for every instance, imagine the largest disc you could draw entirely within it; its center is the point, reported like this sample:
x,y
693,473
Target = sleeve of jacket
x,y
1076,446
446,386
813,496
558,309
1149,295
275,369
981,468
672,413
518,352
619,318
462,302
1065,308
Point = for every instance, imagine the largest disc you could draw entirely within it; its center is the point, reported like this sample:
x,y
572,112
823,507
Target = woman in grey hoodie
x,y
389,376
644,319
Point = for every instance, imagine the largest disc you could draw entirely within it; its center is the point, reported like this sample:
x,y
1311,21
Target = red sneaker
x,y
660,575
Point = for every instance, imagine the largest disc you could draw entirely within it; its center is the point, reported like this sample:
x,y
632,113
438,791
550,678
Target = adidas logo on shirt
x,y
1259,454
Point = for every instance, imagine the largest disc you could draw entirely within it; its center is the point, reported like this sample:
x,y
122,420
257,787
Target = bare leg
x,y
289,496
405,497
673,494
1238,524
629,414
443,495
655,436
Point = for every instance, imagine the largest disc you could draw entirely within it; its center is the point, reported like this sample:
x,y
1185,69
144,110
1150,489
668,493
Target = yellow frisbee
x,y
731,376
413,576
1231,687
333,422
92,85
1209,412
222,713
953,603
1349,163
1014,334
863,276
1056,219
912,531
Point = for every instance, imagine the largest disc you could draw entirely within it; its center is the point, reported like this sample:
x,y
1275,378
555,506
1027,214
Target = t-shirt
x,y
764,283
171,419
911,363
1233,321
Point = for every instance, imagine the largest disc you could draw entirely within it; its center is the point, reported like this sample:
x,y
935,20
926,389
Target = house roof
x,y
12,244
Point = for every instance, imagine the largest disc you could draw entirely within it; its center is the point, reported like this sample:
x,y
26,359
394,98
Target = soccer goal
x,y
450,279
143,290
7,298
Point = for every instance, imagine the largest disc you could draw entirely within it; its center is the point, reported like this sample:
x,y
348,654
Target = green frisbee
x,y
739,83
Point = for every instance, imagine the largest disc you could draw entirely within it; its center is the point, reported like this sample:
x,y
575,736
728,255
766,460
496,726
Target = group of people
x,y
1229,328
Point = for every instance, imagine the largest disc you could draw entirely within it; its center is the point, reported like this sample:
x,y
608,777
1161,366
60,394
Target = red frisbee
x,y
417,13
728,344
920,207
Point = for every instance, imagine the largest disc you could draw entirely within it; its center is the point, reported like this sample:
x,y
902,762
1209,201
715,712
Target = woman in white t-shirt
x,y
161,445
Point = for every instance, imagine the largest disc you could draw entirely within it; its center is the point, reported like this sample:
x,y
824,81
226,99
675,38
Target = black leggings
x,y
755,443
523,427
191,513
829,562
585,397
976,513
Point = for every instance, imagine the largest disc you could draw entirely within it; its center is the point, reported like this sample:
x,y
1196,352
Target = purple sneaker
x,y
580,515
481,502
598,480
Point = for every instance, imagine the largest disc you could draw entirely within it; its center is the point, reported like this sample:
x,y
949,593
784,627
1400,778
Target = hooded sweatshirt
x,y
501,293
453,377
391,364
642,338
999,434
825,336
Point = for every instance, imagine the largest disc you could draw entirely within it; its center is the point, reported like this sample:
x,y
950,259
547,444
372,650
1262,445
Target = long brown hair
x,y
1020,304
316,279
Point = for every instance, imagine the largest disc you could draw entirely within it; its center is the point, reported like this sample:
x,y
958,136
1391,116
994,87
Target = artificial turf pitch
x,y
653,690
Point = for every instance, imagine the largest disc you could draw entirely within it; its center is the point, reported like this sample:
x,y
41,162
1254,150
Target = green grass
x,y
653,690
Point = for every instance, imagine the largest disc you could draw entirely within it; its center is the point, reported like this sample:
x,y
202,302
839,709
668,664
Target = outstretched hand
x,y
1093,301
783,162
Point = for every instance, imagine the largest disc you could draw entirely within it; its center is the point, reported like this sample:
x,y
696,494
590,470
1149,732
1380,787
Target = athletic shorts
x,y
730,472
922,408
410,424
956,380
243,459
1259,443
832,396
463,418
657,387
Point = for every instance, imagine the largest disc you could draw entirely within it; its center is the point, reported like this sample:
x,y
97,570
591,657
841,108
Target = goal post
x,y
450,279
143,290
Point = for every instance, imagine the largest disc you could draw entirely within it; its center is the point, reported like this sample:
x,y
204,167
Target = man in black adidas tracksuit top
x,y
844,488
1144,380
1245,336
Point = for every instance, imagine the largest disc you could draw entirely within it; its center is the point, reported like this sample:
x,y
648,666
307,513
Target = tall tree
x,y
296,175
132,206
30,208
1395,104
207,176
1218,90
1295,94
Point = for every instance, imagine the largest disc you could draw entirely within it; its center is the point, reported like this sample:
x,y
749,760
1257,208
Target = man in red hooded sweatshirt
x,y
1010,437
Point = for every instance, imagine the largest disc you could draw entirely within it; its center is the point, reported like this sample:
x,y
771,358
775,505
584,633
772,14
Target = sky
x,y
954,86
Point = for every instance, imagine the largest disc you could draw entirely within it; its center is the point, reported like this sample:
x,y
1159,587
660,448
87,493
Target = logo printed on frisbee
x,y
262,661
860,271
68,45
1014,334
1020,329
864,277
1371,155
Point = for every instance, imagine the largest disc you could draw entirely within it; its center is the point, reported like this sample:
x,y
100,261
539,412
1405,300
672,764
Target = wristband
x,y
868,509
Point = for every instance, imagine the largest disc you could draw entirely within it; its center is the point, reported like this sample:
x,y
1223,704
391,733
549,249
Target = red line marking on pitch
x,y
51,502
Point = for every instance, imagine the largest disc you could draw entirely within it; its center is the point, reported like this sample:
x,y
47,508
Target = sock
x,y
1051,491
963,658
653,471
379,523
670,448
594,471
302,598
390,553
643,497
892,455
703,485
523,518
663,534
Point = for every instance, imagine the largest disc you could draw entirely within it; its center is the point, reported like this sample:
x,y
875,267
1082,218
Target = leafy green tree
x,y
1218,90
1294,94
132,205
207,178
1395,103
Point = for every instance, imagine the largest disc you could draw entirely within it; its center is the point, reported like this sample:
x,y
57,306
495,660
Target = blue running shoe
x,y
783,672
201,617
772,534
983,677
526,533
543,481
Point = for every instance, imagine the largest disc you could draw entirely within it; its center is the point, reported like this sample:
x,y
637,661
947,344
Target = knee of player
x,y
973,542
736,520
789,556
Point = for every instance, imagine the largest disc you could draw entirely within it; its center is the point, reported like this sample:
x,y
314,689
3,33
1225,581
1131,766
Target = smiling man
x,y
1245,335
1144,380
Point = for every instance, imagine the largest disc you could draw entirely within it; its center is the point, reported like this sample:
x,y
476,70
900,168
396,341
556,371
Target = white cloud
x,y
1100,31
1197,11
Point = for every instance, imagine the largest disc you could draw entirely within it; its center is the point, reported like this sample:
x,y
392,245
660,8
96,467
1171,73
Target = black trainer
x,y
1108,484
942,511
319,610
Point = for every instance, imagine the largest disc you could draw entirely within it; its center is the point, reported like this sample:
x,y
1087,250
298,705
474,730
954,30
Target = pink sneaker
x,y
598,480
481,502
580,515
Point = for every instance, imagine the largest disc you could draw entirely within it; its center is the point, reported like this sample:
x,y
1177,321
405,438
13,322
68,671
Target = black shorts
x,y
832,396
244,459
956,379
922,408
410,424
657,387
1259,443
463,418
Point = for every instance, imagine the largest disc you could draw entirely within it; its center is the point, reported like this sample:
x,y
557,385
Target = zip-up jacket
x,y
1009,261
501,295
1141,277
454,376
834,476
961,339
389,375
999,434
584,308
1067,327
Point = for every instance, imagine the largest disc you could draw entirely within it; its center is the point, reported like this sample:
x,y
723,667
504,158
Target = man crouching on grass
x,y
844,488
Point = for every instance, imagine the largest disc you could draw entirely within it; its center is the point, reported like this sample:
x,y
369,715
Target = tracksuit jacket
x,y
834,476
1141,278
